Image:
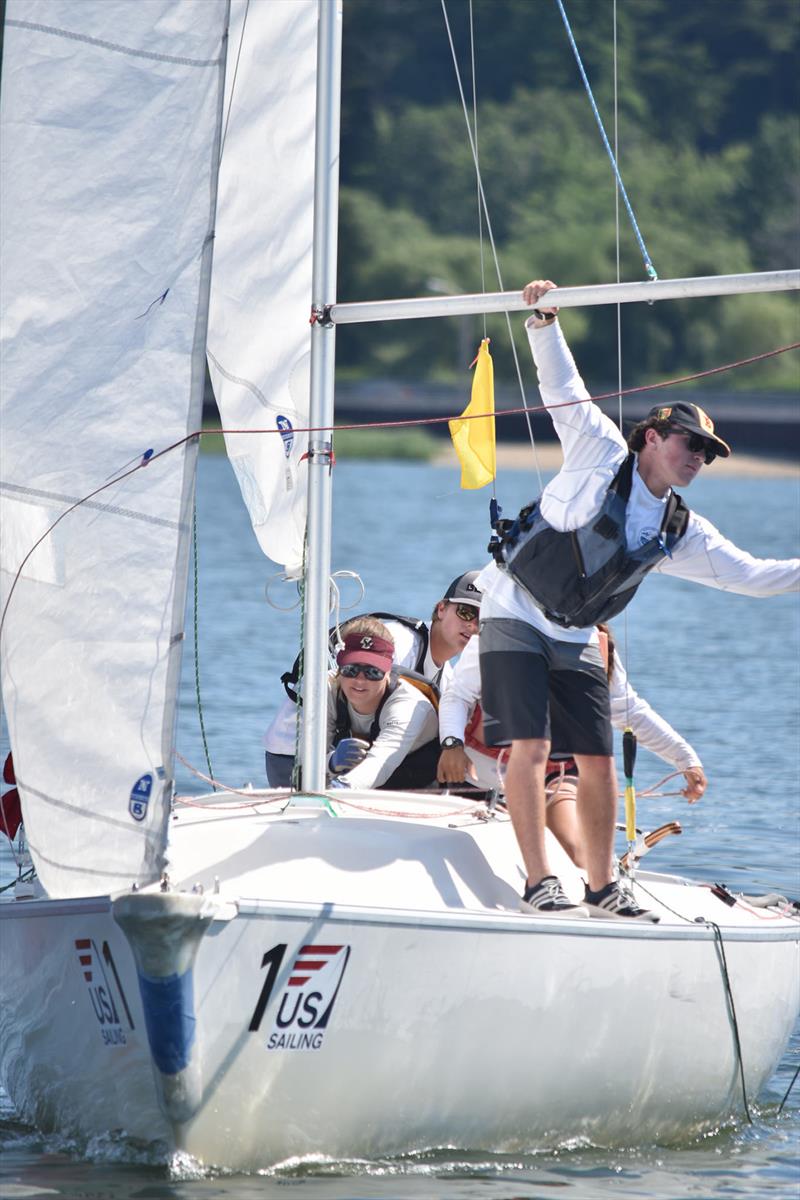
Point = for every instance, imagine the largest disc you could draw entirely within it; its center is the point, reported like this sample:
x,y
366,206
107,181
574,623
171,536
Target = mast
x,y
323,347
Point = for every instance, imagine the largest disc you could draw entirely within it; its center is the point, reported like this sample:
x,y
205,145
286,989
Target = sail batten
x,y
110,145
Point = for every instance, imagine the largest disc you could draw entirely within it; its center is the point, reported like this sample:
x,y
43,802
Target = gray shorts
x,y
535,687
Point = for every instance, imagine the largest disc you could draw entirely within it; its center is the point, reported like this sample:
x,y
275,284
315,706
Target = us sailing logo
x,y
140,797
287,433
306,1001
105,991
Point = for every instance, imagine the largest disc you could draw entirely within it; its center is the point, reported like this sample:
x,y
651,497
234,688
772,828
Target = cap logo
x,y
705,421
663,413
366,642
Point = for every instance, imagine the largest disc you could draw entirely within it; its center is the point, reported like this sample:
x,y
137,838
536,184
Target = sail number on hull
x,y
304,993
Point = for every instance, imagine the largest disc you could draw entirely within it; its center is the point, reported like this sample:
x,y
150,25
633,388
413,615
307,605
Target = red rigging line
x,y
508,412
150,457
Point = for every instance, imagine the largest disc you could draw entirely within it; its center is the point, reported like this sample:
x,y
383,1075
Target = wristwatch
x,y
451,743
541,316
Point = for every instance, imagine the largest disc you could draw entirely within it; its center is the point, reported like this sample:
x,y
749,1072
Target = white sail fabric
x,y
259,337
111,115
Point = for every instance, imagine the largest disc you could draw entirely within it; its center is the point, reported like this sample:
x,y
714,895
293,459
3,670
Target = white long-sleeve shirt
x,y
594,450
463,691
407,721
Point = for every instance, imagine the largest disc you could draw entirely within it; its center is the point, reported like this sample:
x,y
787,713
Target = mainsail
x,y
111,119
259,335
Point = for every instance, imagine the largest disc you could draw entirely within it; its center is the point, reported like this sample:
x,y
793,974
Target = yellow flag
x,y
474,439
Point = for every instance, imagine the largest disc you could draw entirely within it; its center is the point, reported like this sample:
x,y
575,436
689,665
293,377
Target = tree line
x,y
709,149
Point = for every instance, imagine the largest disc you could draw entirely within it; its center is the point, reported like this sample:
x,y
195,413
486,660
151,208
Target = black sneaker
x,y
549,898
616,900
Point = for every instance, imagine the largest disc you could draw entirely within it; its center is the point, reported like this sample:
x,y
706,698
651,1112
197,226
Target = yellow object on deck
x,y
629,762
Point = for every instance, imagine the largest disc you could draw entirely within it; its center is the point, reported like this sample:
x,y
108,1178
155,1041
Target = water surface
x,y
723,669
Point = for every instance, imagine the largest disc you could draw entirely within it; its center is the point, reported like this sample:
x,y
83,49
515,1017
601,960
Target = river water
x,y
723,669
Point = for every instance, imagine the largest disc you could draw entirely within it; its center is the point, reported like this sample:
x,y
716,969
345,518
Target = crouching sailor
x,y
573,558
427,648
382,724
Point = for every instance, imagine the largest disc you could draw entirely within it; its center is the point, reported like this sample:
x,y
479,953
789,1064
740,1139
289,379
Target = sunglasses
x,y
697,445
466,612
353,670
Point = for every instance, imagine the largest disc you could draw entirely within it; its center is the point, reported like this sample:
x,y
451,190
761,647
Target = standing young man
x,y
576,557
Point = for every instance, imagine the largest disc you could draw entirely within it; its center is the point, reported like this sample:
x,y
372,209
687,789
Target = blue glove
x,y
346,755
338,782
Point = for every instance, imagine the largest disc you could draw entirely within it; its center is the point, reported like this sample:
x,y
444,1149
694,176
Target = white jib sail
x,y
259,334
111,115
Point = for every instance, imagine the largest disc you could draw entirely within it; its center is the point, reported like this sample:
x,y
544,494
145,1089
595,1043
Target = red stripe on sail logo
x,y
84,948
311,958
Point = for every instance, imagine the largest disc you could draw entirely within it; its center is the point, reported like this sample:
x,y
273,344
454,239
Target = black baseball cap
x,y
693,419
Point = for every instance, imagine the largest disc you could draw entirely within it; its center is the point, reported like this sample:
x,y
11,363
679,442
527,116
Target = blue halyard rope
x,y
651,271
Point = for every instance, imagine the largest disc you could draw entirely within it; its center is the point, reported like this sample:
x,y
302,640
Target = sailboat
x,y
268,974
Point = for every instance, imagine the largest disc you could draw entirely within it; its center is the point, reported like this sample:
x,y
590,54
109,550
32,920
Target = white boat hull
x,y
307,1025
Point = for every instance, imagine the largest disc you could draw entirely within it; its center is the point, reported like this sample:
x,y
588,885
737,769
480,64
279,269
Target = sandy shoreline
x,y
519,456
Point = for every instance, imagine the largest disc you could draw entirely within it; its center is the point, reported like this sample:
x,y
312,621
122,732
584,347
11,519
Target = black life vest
x,y
418,768
585,575
290,679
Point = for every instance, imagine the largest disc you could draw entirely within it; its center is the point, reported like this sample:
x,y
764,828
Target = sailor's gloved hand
x,y
337,782
346,755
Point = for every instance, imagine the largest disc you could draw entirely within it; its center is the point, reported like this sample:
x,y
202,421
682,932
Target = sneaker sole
x,y
579,911
603,914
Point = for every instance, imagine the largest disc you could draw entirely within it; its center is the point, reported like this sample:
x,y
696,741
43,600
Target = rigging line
x,y
723,963
196,607
31,874
256,799
788,1090
409,422
146,460
490,232
493,480
650,269
404,424
475,126
625,627
301,587
235,73
186,802
414,816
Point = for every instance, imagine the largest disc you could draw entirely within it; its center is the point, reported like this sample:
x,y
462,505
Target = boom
x,y
568,297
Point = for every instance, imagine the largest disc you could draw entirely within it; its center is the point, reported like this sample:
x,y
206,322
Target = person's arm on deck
x,y
628,708
461,689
